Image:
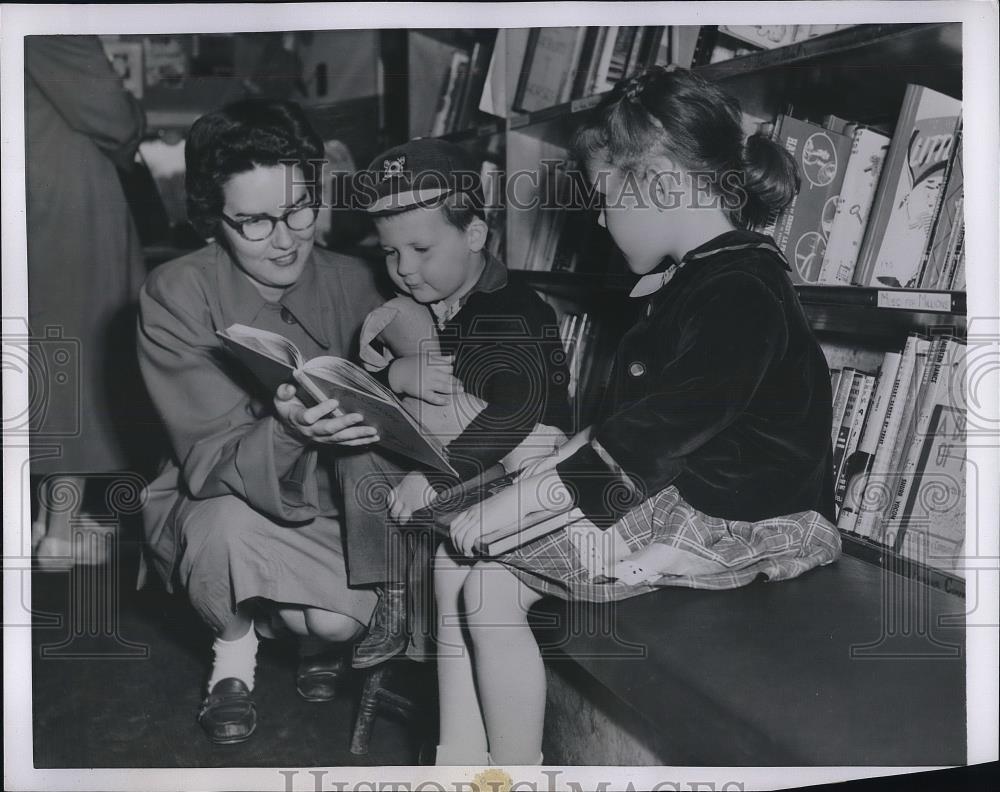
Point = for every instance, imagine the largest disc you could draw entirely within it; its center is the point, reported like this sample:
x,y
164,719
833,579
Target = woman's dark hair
x,y
693,122
238,138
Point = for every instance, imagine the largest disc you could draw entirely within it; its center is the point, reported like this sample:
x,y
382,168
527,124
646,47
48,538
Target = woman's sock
x,y
235,659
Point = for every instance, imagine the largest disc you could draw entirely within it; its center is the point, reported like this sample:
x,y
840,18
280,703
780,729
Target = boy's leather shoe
x,y
317,675
387,635
228,714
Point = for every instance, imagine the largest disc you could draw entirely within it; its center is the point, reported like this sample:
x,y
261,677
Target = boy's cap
x,y
421,173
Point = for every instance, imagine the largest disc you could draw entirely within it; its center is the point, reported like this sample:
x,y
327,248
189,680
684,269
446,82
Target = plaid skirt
x,y
664,541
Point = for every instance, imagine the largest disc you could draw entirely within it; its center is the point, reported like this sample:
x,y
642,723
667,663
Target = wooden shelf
x,y
895,43
885,557
483,130
843,310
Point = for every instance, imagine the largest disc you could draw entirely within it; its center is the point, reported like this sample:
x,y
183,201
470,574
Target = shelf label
x,y
579,105
519,120
915,300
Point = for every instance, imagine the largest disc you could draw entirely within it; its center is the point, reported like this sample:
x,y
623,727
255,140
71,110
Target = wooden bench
x,y
846,665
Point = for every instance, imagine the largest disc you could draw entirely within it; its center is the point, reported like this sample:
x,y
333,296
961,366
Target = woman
x,y
243,516
713,444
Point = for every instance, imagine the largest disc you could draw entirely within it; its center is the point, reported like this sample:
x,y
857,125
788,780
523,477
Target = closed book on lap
x,y
275,360
453,501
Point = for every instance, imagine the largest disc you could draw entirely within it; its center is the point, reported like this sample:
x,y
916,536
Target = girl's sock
x,y
235,659
539,762
451,755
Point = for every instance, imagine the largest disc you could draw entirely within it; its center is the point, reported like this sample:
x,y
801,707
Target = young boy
x,y
498,343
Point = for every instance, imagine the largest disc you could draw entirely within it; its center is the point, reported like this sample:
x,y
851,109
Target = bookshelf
x,y
859,73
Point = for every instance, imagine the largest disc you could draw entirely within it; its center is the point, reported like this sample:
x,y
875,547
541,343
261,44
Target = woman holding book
x,y
243,515
713,444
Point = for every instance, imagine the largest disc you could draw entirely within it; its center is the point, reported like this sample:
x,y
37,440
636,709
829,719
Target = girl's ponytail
x,y
770,180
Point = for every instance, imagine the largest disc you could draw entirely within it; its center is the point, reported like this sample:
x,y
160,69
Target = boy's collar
x,y
491,279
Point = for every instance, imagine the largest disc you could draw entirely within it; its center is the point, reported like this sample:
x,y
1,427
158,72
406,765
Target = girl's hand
x,y
312,425
527,501
536,467
427,377
411,494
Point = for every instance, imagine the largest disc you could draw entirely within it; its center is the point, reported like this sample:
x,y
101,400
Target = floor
x,y
118,675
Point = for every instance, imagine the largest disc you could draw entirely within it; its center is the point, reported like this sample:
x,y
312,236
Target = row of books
x,y
565,236
899,450
567,63
536,68
875,211
461,88
724,42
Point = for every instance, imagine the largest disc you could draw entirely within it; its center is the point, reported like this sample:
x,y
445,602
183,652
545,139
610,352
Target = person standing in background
x,y
85,263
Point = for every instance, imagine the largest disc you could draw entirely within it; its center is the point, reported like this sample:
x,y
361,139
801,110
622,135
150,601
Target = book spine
x,y
493,97
589,56
868,152
859,464
958,283
875,499
904,436
447,98
862,406
938,462
946,217
843,429
926,398
844,384
600,82
956,251
458,95
574,65
705,45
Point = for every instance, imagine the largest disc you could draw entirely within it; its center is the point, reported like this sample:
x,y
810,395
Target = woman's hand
x,y
427,377
526,502
312,425
413,493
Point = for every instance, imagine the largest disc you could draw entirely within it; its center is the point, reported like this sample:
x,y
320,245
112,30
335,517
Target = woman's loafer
x,y
317,675
228,714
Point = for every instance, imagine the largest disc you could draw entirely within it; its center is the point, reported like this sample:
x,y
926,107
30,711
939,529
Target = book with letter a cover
x,y
275,360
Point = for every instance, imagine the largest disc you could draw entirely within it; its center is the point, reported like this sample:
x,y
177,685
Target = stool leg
x,y
367,710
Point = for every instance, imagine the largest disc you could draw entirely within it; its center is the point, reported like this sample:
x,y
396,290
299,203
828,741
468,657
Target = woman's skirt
x,y
664,541
231,554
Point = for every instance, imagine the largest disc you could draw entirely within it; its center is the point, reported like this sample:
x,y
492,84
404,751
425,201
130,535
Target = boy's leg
x,y
376,551
462,732
508,664
373,544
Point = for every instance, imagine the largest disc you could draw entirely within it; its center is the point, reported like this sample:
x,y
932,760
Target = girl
x,y
717,412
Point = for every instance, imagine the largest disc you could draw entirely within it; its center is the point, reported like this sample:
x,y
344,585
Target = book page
x,y
265,343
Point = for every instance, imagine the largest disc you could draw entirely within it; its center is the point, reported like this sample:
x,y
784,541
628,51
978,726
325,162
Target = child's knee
x,y
494,597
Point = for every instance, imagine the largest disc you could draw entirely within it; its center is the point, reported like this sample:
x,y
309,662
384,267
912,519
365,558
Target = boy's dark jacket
x,y
720,389
507,350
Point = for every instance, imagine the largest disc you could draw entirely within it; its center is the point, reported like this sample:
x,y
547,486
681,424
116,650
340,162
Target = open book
x,y
275,360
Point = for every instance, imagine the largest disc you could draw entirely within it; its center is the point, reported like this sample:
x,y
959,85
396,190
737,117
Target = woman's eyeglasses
x,y
257,229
